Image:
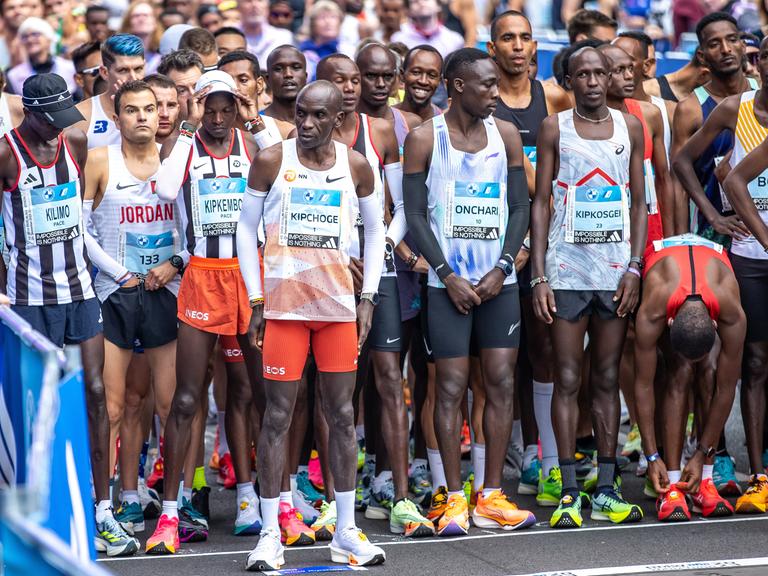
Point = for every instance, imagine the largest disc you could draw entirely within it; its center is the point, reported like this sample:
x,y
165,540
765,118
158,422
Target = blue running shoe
x,y
131,517
311,494
529,478
724,476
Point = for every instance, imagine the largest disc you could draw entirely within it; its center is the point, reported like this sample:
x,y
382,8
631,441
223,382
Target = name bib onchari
x,y
474,210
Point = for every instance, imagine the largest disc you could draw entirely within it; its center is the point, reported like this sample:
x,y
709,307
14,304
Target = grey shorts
x,y
575,304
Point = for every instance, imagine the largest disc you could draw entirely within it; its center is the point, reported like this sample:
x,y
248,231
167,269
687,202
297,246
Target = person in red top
x,y
691,309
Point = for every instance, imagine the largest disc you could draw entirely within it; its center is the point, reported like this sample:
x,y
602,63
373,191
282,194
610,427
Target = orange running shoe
x,y
455,519
227,472
293,531
495,511
438,504
673,506
708,502
165,540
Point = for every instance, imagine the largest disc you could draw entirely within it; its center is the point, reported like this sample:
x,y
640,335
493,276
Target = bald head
x,y
329,65
323,92
375,54
613,52
286,50
585,53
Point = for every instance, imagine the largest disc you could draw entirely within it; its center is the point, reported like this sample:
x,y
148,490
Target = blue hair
x,y
120,45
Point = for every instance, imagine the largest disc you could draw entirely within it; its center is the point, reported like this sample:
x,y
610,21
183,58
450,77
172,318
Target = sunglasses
x,y
276,14
93,72
753,58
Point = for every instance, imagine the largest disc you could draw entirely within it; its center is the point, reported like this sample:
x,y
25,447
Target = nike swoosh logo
x,y
204,164
491,155
389,341
330,180
426,347
514,327
121,187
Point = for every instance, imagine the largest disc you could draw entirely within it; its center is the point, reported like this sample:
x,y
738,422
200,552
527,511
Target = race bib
x,y
650,187
216,205
530,152
473,210
52,214
311,218
686,240
596,214
723,198
142,252
758,190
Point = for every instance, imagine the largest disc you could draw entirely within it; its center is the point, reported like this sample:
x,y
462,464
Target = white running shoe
x,y
642,465
248,519
268,554
308,512
351,546
150,500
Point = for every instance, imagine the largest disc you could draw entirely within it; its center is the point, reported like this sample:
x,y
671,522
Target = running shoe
x,y
248,519
648,490
293,531
213,463
466,440
754,499
672,506
308,490
419,484
584,463
405,519
495,511
226,475
709,503
315,471
550,488
438,504
165,539
724,476
201,501
112,538
642,466
130,517
567,514
590,484
514,457
455,519
351,546
325,524
305,507
529,478
193,527
633,445
155,480
607,505
765,458
360,454
150,501
381,501
268,554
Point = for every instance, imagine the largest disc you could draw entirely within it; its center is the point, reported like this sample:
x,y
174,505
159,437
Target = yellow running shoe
x,y
495,511
455,519
438,504
754,500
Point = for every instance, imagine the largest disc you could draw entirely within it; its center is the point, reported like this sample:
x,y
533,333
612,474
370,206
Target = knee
x,y
605,379
185,404
134,401
569,379
341,416
755,368
239,397
276,422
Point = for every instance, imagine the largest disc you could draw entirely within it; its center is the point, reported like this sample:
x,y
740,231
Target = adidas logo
x,y
615,236
330,243
492,235
31,179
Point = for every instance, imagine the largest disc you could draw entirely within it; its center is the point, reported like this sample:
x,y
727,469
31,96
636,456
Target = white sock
x,y
380,479
542,407
706,471
417,462
269,511
245,491
293,483
478,466
171,508
674,476
345,509
531,451
303,468
436,466
223,444
287,497
488,491
131,497
517,432
102,510
360,432
187,493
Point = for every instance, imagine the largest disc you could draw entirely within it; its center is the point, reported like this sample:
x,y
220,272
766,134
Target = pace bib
x,y
216,205
686,240
52,214
758,190
474,210
311,218
650,187
595,214
142,252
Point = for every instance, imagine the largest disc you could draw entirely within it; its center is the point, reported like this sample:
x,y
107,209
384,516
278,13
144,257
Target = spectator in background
x,y
37,37
14,13
170,39
184,68
87,60
685,16
325,18
65,19
391,14
751,55
202,43
424,27
461,17
229,39
209,18
230,13
11,115
587,24
170,18
140,20
261,36
185,7
281,14
97,23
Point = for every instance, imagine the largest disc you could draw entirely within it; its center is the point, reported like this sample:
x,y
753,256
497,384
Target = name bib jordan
x,y
473,210
595,214
311,218
52,214
142,252
216,205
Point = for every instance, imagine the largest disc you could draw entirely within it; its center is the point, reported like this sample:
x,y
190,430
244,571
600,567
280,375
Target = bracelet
x,y
125,279
251,124
187,129
412,259
256,301
634,271
539,280
653,457
637,260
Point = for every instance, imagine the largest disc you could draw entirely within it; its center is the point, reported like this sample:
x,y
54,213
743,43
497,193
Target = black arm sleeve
x,y
519,213
415,195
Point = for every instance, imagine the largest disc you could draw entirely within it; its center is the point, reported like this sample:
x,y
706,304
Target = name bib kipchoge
x,y
311,218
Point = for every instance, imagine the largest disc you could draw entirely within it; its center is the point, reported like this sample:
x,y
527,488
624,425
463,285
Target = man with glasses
x,y
87,61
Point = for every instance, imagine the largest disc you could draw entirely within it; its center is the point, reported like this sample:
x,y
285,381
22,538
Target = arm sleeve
x,y
416,215
373,250
103,261
265,138
397,227
519,208
248,241
174,169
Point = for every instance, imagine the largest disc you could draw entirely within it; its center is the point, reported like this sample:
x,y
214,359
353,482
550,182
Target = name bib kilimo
x,y
595,214
52,214
216,205
311,218
474,210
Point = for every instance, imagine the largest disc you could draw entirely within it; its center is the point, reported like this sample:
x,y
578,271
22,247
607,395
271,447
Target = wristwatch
x,y
372,297
708,452
505,267
177,262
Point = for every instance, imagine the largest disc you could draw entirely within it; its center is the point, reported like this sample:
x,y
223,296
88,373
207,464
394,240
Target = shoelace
x,y
756,485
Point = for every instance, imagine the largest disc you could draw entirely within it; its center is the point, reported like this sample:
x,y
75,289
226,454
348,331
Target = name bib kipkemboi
x,y
216,205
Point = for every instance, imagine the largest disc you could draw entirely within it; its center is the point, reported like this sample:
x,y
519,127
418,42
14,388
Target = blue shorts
x,y
62,324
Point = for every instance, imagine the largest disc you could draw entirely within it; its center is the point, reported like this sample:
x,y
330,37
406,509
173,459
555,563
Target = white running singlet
x,y
660,104
6,121
102,131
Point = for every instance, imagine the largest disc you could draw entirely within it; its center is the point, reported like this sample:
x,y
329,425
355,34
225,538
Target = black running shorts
x,y
752,276
136,316
575,304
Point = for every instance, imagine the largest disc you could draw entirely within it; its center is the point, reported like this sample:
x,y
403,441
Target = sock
x,y
187,494
674,476
568,470
171,508
417,463
455,493
606,472
269,511
131,497
517,432
111,489
360,432
245,491
287,497
294,487
542,408
488,491
380,480
345,509
706,471
303,468
436,466
102,510
478,466
531,451
198,480
223,445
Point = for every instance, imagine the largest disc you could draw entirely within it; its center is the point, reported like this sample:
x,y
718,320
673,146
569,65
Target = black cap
x,y
48,95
